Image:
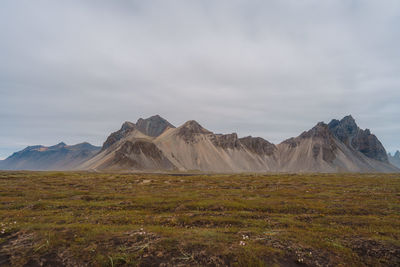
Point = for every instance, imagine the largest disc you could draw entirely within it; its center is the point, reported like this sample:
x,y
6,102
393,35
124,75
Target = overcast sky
x,y
74,71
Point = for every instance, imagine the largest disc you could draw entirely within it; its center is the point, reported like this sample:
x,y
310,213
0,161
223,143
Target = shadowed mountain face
x,y
58,157
153,126
347,131
395,159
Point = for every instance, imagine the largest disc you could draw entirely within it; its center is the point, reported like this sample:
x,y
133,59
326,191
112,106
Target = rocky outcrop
x,y
189,130
226,141
347,131
153,126
258,145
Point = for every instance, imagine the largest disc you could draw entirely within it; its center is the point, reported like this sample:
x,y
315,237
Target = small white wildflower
x,y
242,243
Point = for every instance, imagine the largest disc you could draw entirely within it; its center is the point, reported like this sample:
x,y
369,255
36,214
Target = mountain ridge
x,y
154,144
57,157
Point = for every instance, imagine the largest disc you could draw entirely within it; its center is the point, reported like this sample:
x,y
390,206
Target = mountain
x,y
326,148
188,147
58,157
340,146
347,131
395,159
192,147
312,151
131,147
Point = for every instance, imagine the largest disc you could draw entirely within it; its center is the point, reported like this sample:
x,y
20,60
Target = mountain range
x,y
154,144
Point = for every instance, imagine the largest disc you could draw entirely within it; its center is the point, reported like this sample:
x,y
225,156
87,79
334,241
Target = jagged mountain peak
x,y
190,129
347,126
194,127
347,131
153,126
348,119
397,154
127,126
151,118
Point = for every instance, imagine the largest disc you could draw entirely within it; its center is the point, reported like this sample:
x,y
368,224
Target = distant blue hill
x,y
58,157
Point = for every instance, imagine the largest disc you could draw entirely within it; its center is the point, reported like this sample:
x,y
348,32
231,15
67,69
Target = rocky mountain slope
x,y
395,159
58,157
132,147
347,131
155,145
321,149
191,147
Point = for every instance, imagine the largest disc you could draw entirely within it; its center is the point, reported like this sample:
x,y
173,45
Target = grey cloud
x,y
75,70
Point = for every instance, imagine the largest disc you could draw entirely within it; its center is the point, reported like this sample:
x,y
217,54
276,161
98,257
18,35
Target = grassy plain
x,y
113,219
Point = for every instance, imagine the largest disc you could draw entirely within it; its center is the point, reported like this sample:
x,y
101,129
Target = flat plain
x,y
116,219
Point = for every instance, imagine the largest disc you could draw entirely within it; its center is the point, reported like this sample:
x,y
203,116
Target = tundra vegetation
x,y
117,219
